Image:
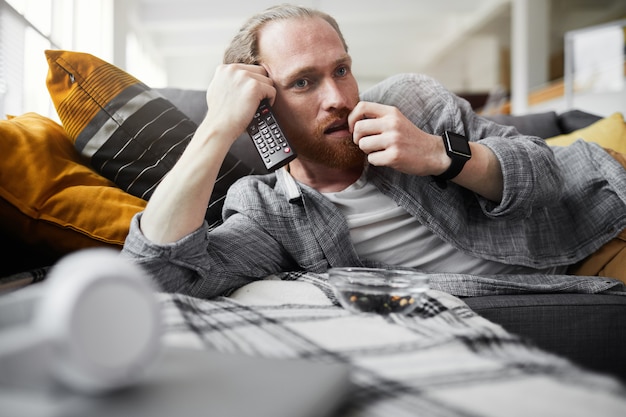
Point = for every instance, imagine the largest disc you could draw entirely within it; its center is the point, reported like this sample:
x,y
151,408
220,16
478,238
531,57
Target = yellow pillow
x,y
49,197
608,261
609,132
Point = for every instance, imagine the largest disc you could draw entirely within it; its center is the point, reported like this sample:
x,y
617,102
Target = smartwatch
x,y
457,148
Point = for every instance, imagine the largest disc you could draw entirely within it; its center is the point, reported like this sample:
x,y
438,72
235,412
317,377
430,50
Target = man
x,y
373,183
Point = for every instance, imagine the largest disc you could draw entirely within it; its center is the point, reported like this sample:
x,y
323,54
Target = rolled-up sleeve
x,y
207,265
177,266
531,176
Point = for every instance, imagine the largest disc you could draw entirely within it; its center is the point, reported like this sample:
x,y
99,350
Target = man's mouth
x,y
339,125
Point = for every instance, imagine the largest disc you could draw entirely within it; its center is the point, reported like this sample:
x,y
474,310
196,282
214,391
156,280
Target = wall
x,y
473,66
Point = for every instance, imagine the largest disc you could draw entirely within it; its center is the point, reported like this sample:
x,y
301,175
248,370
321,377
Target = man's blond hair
x,y
244,48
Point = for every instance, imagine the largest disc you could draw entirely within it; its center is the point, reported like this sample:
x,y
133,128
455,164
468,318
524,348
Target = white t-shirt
x,y
384,232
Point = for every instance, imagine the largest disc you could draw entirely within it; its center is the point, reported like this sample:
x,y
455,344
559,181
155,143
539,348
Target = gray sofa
x,y
586,328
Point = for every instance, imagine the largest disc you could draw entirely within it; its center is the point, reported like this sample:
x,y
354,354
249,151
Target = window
x,y
28,27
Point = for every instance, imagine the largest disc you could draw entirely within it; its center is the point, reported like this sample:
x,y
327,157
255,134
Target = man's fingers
x,y
364,110
363,128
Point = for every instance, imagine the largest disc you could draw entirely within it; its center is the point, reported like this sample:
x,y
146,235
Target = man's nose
x,y
333,95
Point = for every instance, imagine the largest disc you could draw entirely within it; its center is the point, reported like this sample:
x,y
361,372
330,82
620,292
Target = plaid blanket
x,y
441,360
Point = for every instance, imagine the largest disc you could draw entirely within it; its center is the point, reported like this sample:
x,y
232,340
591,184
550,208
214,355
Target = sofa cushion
x,y
49,199
129,133
575,119
543,125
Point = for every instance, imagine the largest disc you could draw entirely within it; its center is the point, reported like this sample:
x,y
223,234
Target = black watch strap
x,y
457,148
453,170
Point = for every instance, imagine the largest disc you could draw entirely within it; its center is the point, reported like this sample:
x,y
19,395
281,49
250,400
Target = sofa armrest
x,y
588,329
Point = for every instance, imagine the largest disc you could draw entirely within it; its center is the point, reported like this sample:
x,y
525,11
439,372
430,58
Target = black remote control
x,y
269,139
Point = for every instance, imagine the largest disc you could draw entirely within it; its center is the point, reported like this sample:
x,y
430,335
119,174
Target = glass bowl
x,y
373,290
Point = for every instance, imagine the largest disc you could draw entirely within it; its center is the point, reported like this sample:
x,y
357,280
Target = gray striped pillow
x,y
130,133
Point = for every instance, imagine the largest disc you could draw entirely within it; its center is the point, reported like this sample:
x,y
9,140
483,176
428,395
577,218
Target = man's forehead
x,y
295,68
297,45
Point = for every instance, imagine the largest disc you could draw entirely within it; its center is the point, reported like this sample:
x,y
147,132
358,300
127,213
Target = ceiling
x,y
191,35
385,37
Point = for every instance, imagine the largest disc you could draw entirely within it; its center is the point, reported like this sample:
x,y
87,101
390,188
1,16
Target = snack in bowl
x,y
374,290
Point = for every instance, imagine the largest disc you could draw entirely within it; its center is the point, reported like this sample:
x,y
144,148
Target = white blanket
x,y
442,360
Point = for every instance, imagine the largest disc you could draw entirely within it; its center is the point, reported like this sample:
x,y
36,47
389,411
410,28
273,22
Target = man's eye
x,y
343,71
301,83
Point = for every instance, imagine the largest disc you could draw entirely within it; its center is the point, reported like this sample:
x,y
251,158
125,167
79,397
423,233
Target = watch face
x,y
458,144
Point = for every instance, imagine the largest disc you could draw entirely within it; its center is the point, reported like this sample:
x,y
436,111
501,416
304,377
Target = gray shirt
x,y
557,207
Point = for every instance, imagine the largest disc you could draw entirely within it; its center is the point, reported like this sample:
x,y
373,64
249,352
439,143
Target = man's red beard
x,y
334,152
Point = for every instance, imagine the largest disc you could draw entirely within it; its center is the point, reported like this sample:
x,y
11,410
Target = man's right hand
x,y
234,95
178,205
